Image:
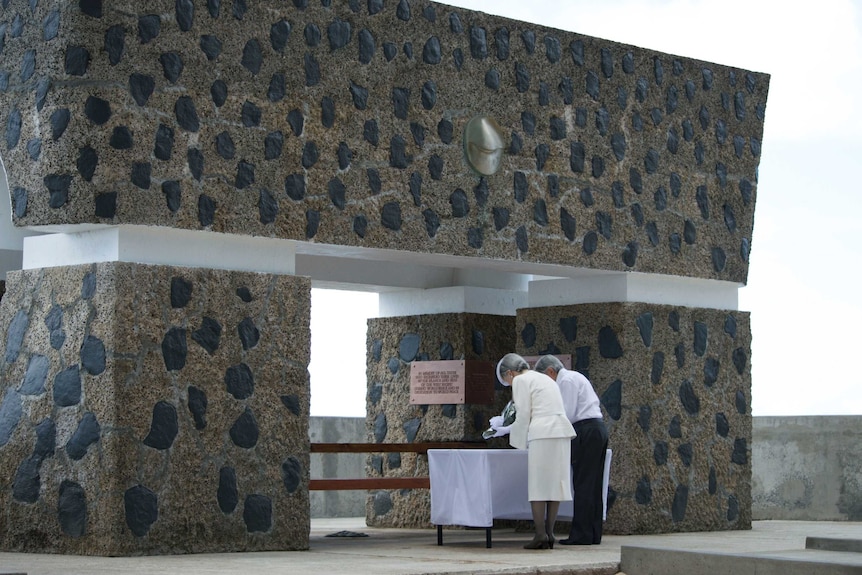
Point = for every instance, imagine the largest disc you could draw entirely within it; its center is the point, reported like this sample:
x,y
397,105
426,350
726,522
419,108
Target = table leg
x,y
439,535
487,537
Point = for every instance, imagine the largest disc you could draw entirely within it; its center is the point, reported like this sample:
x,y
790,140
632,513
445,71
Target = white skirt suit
x,y
542,428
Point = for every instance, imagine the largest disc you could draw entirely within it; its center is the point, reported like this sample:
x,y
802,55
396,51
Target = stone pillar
x,y
393,343
675,386
153,409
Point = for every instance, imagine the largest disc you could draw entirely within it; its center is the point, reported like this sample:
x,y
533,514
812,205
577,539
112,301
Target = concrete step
x,y
834,544
661,561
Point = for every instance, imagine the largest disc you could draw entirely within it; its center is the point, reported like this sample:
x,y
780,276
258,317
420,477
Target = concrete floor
x,y
415,552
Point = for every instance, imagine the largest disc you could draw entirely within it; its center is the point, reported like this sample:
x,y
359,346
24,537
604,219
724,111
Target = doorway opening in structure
x,y
339,324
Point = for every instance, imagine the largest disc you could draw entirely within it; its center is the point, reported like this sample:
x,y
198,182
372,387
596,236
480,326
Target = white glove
x,y
496,421
501,431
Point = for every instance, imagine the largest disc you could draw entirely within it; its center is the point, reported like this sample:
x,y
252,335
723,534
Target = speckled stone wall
x,y
393,343
150,410
341,123
675,386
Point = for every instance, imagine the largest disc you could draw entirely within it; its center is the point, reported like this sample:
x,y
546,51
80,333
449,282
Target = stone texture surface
x,y
145,410
675,386
393,343
341,123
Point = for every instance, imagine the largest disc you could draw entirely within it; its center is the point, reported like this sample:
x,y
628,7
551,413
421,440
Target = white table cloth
x,y
472,487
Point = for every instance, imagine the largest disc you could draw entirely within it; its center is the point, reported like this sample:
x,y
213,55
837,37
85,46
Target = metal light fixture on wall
x,y
483,144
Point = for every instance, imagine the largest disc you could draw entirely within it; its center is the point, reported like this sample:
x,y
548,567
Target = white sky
x,y
803,284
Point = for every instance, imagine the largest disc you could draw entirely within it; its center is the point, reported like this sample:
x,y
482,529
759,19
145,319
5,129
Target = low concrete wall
x,y
337,466
807,468
803,468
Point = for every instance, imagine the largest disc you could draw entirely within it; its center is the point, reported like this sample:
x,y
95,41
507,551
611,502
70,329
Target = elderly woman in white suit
x,y
542,428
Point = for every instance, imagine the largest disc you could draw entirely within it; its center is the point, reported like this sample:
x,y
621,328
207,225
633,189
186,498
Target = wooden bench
x,y
381,482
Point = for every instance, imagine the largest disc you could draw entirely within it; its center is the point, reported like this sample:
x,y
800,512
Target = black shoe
x,y
538,543
573,542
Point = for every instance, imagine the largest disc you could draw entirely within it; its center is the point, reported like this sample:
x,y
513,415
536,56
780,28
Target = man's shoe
x,y
573,542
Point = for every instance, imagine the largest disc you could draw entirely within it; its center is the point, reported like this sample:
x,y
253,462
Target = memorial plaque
x,y
451,382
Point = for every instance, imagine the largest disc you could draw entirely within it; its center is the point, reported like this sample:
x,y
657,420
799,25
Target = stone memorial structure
x,y
191,167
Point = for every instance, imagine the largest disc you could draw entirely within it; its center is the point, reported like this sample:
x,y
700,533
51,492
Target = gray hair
x,y
548,361
513,362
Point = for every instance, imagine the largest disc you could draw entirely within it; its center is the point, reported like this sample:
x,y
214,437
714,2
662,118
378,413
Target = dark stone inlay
x,y
279,33
277,88
730,326
740,359
227,493
267,207
141,175
87,161
380,427
339,33
685,453
291,402
25,485
680,502
337,193
208,335
163,427
310,155
312,70
689,399
67,387
77,60
174,349
643,491
382,503
344,155
740,451
291,474
701,337
568,224
732,508
198,406
645,327
239,381
35,376
273,145
149,27
408,347
181,292
722,426
612,399
590,243
72,509
59,122
521,240
218,92
93,355
211,46
411,428
390,50
142,509
478,43
294,187
97,110
312,222
186,114
644,417
248,333
390,215
710,371
528,335
173,195
252,56
432,222
630,254
674,430
86,434
577,157
609,344
172,66
106,205
327,112
251,114
660,453
164,143
540,212
367,46
244,432
740,402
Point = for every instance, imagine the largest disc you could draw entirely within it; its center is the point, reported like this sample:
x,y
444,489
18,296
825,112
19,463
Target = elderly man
x,y
588,449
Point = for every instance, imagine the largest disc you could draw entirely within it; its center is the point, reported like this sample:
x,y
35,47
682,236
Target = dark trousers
x,y
588,464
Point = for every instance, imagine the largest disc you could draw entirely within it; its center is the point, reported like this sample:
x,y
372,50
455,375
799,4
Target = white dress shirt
x,y
579,399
